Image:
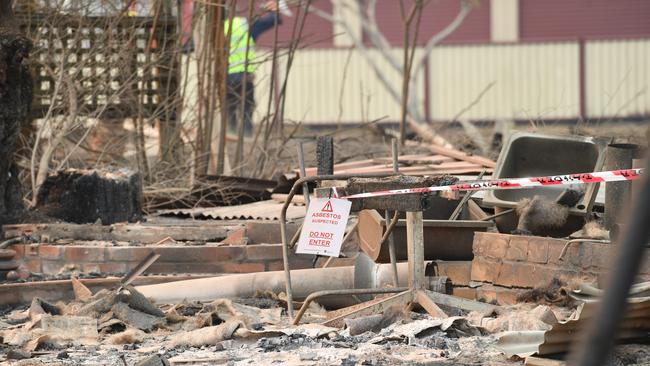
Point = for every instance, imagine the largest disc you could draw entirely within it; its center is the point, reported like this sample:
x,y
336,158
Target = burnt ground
x,y
412,340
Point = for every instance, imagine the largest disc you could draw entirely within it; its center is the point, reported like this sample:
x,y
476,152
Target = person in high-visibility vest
x,y
242,63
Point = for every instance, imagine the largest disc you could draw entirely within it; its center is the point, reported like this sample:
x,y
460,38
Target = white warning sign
x,y
324,227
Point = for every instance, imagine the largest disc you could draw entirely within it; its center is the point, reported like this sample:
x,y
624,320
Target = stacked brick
x,y
504,265
103,258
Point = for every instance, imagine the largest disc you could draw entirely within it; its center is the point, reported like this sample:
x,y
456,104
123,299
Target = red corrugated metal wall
x,y
539,20
570,19
436,15
317,31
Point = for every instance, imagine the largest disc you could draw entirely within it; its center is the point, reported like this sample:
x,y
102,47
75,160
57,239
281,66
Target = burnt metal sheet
x,y
263,210
560,337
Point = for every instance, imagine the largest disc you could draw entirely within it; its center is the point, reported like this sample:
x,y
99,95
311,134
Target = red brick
x,y
554,251
523,274
531,276
459,272
51,251
227,254
275,266
79,254
294,263
200,254
478,245
52,267
497,294
507,272
33,265
243,267
264,252
517,248
573,255
507,296
484,270
602,256
538,250
587,255
486,294
127,254
112,267
20,250
496,246
31,250
90,267
464,292
165,268
236,237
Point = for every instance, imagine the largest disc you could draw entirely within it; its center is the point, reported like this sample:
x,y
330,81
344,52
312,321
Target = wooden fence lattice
x,y
119,67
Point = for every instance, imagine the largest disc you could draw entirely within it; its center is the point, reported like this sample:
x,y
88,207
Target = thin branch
x,y
465,8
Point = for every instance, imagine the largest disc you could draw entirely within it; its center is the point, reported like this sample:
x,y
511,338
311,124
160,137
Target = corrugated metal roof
x,y
263,210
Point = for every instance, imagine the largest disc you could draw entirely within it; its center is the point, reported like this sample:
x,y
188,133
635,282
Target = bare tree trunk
x,y
15,102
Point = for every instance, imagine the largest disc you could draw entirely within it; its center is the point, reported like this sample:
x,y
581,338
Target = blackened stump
x,y
84,196
325,155
15,102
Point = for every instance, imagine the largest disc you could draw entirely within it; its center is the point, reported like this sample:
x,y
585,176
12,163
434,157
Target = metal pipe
x,y
296,236
617,194
598,336
463,201
363,291
283,223
246,285
303,173
502,213
17,240
389,233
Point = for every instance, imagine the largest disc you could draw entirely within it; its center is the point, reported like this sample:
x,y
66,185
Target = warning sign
x,y
324,227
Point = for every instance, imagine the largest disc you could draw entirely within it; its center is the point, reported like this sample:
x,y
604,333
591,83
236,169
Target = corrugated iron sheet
x,y
557,340
528,81
617,78
263,210
531,81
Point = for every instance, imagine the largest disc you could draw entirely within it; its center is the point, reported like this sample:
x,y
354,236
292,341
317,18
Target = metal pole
x,y
464,200
303,173
598,337
617,195
391,241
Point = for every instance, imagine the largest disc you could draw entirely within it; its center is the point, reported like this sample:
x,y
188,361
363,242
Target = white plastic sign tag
x,y
324,227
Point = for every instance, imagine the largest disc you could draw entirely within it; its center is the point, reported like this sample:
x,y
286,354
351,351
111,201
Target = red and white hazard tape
x,y
517,183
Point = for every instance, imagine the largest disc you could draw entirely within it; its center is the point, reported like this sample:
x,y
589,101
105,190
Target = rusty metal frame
x,y
415,293
362,291
283,223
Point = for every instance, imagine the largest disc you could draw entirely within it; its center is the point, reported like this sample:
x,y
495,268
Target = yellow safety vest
x,y
238,39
